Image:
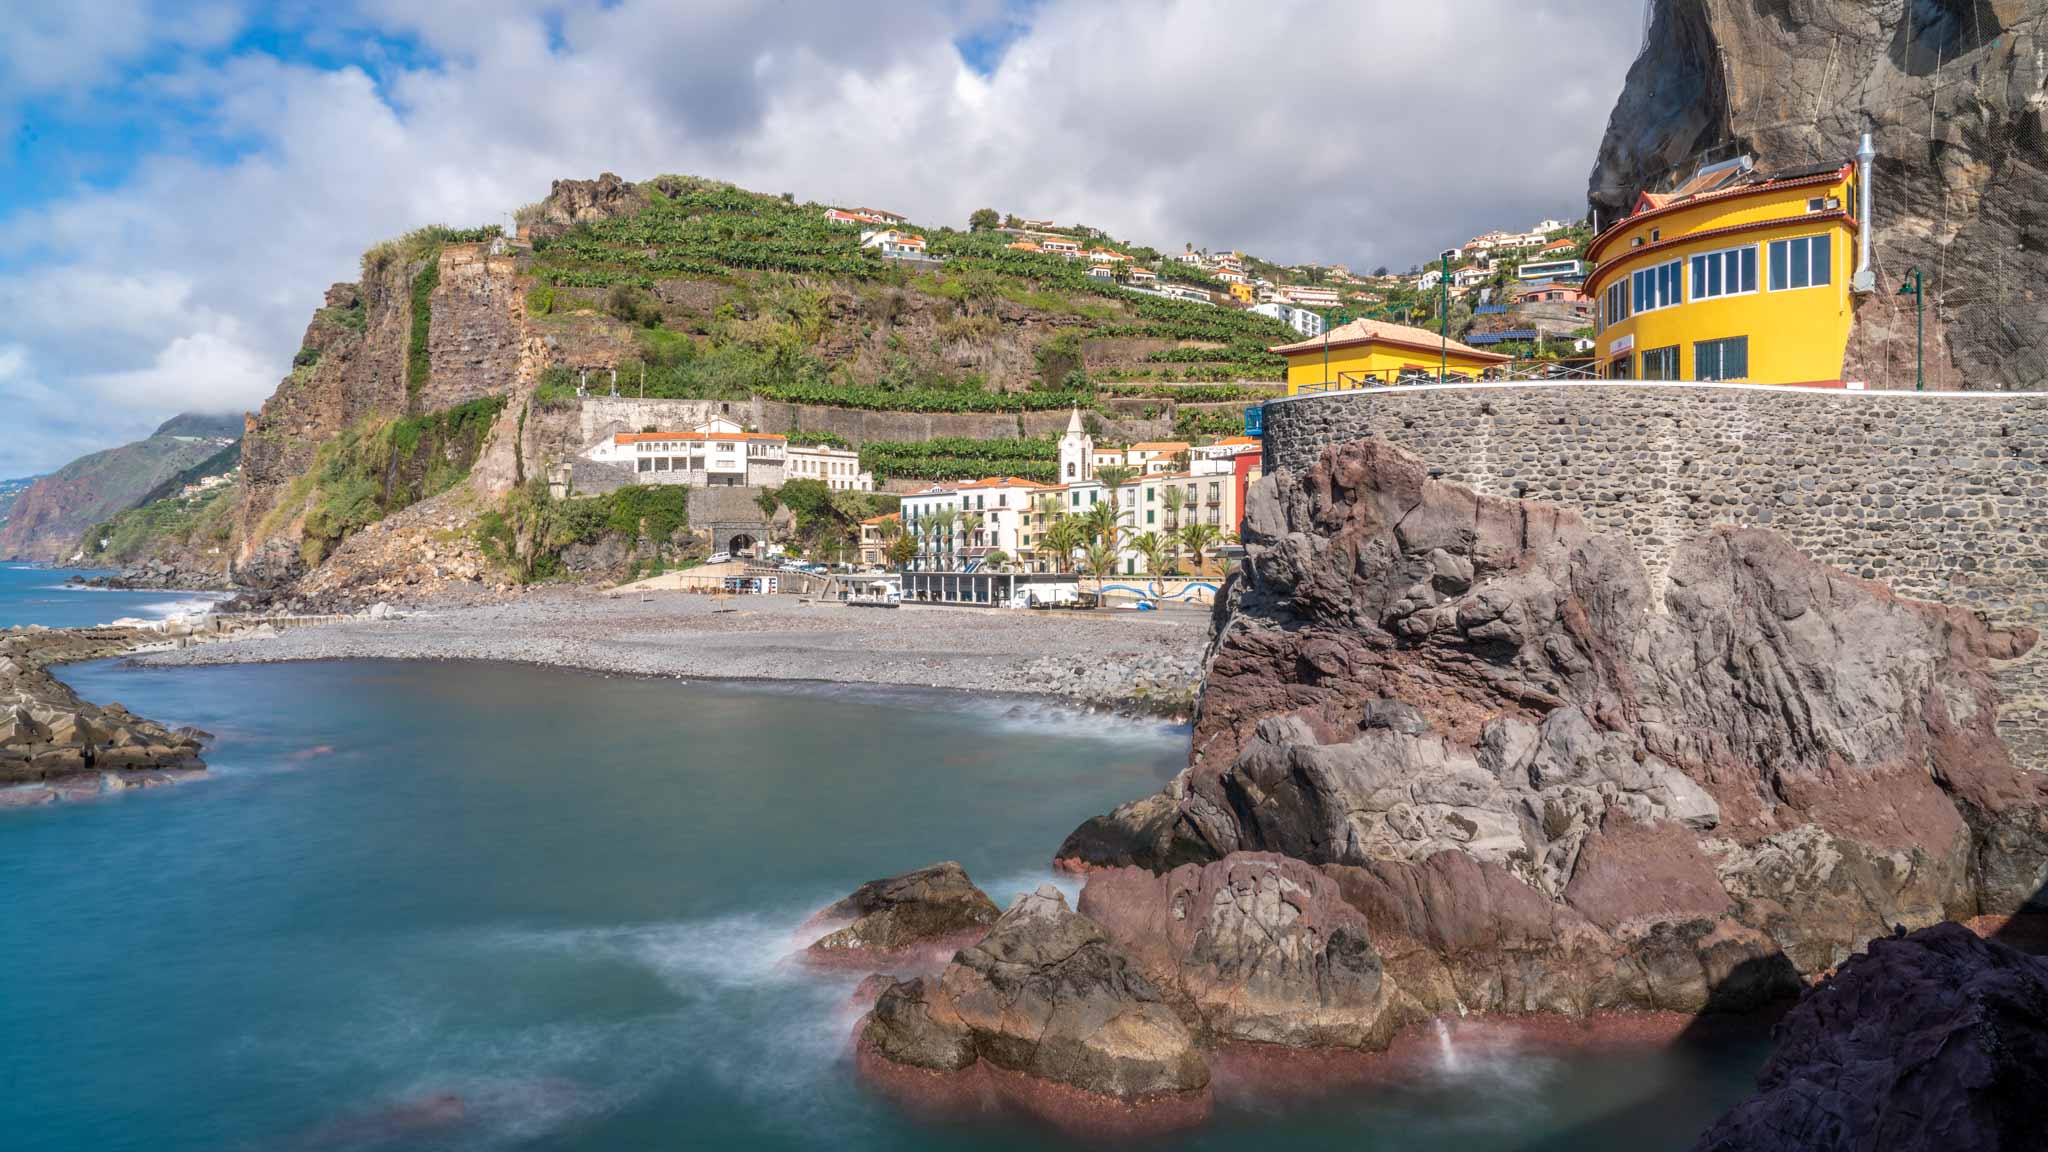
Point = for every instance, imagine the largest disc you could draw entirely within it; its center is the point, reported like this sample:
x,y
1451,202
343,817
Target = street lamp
x,y
1443,367
1914,288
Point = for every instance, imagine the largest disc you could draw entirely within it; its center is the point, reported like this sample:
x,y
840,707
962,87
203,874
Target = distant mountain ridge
x,y
44,519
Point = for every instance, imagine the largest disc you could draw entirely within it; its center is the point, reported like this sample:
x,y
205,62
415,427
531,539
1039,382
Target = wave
x,y
1031,715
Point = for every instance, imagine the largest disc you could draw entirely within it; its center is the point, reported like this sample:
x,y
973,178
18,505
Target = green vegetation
x,y
206,519
1194,422
381,466
527,533
417,363
827,522
819,440
959,458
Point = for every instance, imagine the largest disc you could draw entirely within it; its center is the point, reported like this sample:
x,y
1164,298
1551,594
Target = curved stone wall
x,y
1944,495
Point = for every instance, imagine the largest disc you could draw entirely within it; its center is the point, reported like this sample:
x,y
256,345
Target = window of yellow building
x,y
1729,272
1726,359
1661,363
1801,262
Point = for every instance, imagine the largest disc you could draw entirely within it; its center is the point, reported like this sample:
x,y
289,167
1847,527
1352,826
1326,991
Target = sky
x,y
180,181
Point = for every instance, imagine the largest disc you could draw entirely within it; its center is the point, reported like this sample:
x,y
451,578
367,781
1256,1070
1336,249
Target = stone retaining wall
x,y
1942,495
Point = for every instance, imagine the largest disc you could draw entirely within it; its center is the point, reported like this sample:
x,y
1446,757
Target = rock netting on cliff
x,y
1474,710
1951,91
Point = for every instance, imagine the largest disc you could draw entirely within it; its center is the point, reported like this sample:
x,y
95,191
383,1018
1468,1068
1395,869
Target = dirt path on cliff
x,y
1150,660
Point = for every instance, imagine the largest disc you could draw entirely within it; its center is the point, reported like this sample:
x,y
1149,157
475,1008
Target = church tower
x,y
1077,452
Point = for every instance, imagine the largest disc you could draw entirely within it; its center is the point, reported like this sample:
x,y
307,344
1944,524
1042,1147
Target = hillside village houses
x,y
959,526
1308,295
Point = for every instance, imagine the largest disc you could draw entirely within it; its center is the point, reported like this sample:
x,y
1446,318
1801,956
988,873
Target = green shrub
x,y
418,365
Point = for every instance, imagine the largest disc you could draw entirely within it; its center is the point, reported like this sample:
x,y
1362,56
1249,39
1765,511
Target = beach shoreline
x,y
1129,662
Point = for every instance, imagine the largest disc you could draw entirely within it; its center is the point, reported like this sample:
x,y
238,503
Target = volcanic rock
x,y
1937,1040
1769,756
932,909
1257,946
1046,993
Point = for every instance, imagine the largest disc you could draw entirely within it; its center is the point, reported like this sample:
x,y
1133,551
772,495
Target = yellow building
x,y
1731,276
1241,292
1368,352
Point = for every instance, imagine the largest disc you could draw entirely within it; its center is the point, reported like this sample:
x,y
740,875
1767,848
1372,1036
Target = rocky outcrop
x,y
1951,90
935,910
1938,1040
54,745
1254,947
1771,759
1046,993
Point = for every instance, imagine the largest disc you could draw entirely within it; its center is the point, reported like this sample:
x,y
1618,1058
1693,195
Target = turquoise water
x,y
564,899
30,595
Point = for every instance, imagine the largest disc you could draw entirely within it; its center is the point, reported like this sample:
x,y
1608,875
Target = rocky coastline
x,y
55,746
1457,757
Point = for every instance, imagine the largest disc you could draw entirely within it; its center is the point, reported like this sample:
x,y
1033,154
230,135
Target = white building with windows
x,y
715,454
1308,295
839,468
1302,320
895,245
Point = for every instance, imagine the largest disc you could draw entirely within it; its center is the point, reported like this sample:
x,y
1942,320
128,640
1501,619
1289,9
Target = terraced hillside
x,y
691,289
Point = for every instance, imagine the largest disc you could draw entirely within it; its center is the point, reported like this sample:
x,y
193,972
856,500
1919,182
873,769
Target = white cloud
x,y
1370,132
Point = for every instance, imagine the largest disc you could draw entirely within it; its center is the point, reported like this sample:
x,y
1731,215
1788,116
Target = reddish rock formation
x,y
1046,993
1254,947
1654,792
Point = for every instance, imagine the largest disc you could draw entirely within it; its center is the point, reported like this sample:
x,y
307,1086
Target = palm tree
x,y
1113,478
1198,536
1174,498
1047,510
1100,558
1065,535
942,523
1152,548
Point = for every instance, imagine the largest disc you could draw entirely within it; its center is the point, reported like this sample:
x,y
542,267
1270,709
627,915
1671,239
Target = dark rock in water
x,y
1256,947
68,747
1935,1041
1046,993
1756,755
935,908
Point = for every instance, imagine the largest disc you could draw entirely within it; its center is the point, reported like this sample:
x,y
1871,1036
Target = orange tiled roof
x,y
1363,331
1168,447
636,437
1000,482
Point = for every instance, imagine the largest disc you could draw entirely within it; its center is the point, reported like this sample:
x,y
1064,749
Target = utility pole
x,y
1917,290
1443,368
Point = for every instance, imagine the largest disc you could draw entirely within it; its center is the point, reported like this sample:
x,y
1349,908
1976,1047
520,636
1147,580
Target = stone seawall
x,y
1944,496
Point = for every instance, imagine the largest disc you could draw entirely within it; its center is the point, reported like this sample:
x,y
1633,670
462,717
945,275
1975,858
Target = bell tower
x,y
1077,452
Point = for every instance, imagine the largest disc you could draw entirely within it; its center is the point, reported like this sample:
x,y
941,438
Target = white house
x,y
1549,226
712,455
1470,277
894,245
1187,292
1302,320
1552,270
1221,457
1067,248
1143,275
1429,279
1308,295
1154,455
837,467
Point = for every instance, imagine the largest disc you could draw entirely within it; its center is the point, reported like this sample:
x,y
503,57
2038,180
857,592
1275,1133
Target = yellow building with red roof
x,y
1364,353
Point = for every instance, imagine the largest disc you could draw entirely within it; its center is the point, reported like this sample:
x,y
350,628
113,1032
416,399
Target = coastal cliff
x,y
1951,91
49,517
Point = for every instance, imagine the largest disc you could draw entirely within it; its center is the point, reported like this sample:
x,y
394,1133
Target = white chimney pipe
x,y
1865,279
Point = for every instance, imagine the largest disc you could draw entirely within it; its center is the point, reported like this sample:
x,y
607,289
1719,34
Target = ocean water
x,y
32,595
447,906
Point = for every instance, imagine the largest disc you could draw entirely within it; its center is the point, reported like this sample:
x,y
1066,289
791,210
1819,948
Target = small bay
x,y
440,905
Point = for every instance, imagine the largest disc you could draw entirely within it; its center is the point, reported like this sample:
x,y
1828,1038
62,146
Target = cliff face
x,y
1951,90
49,516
